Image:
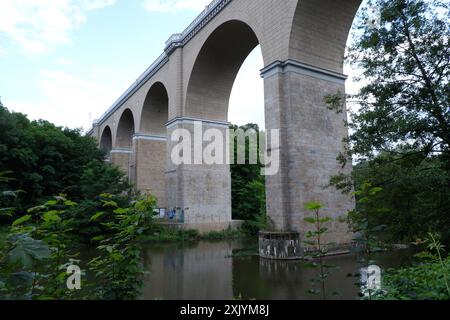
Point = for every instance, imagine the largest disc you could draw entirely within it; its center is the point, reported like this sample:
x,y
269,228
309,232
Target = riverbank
x,y
165,234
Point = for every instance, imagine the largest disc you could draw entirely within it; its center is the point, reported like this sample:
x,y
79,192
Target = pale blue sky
x,y
67,61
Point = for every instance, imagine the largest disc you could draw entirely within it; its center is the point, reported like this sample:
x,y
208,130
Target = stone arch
x,y
320,30
155,112
125,130
106,141
215,70
303,44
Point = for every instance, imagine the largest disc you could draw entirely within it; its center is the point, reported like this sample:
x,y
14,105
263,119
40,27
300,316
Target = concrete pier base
x,y
280,245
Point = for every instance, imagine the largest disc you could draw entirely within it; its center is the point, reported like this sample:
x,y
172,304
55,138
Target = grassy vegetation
x,y
423,281
165,234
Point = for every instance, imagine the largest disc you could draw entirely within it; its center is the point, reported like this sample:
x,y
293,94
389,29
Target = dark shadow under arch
x,y
106,140
155,113
125,130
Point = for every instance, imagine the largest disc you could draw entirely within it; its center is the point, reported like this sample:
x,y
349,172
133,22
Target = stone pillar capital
x,y
291,65
148,137
121,150
189,120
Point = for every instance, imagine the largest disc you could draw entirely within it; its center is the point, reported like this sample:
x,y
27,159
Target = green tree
x,y
248,186
318,249
405,105
400,127
44,160
99,177
415,192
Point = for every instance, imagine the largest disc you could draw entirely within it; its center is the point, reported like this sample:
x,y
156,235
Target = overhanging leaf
x,y
26,250
21,220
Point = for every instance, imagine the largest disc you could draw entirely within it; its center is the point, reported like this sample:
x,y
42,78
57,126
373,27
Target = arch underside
x,y
155,112
317,37
125,130
216,68
106,141
320,30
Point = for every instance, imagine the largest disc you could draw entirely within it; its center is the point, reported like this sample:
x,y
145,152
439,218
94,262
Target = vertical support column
x,y
150,165
95,132
123,157
311,138
202,190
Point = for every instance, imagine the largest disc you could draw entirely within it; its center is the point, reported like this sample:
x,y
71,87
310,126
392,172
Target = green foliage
x,y
315,236
119,269
415,194
363,219
405,62
166,234
400,127
364,223
336,102
318,250
228,234
423,281
247,183
426,280
26,250
434,244
252,227
43,159
42,244
92,218
8,199
17,263
99,177
36,247
3,236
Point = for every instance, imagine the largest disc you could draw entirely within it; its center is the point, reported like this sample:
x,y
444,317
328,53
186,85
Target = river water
x,y
227,270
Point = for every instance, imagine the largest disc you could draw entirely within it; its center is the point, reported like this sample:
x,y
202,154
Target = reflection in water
x,y
200,272
206,271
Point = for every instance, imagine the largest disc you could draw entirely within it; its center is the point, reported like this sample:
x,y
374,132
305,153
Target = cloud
x,y
175,5
96,4
67,100
64,62
39,26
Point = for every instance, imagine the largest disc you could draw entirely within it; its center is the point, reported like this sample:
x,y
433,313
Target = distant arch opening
x,y
155,113
106,141
125,130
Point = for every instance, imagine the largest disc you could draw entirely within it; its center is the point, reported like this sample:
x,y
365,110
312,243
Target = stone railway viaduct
x,y
303,44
